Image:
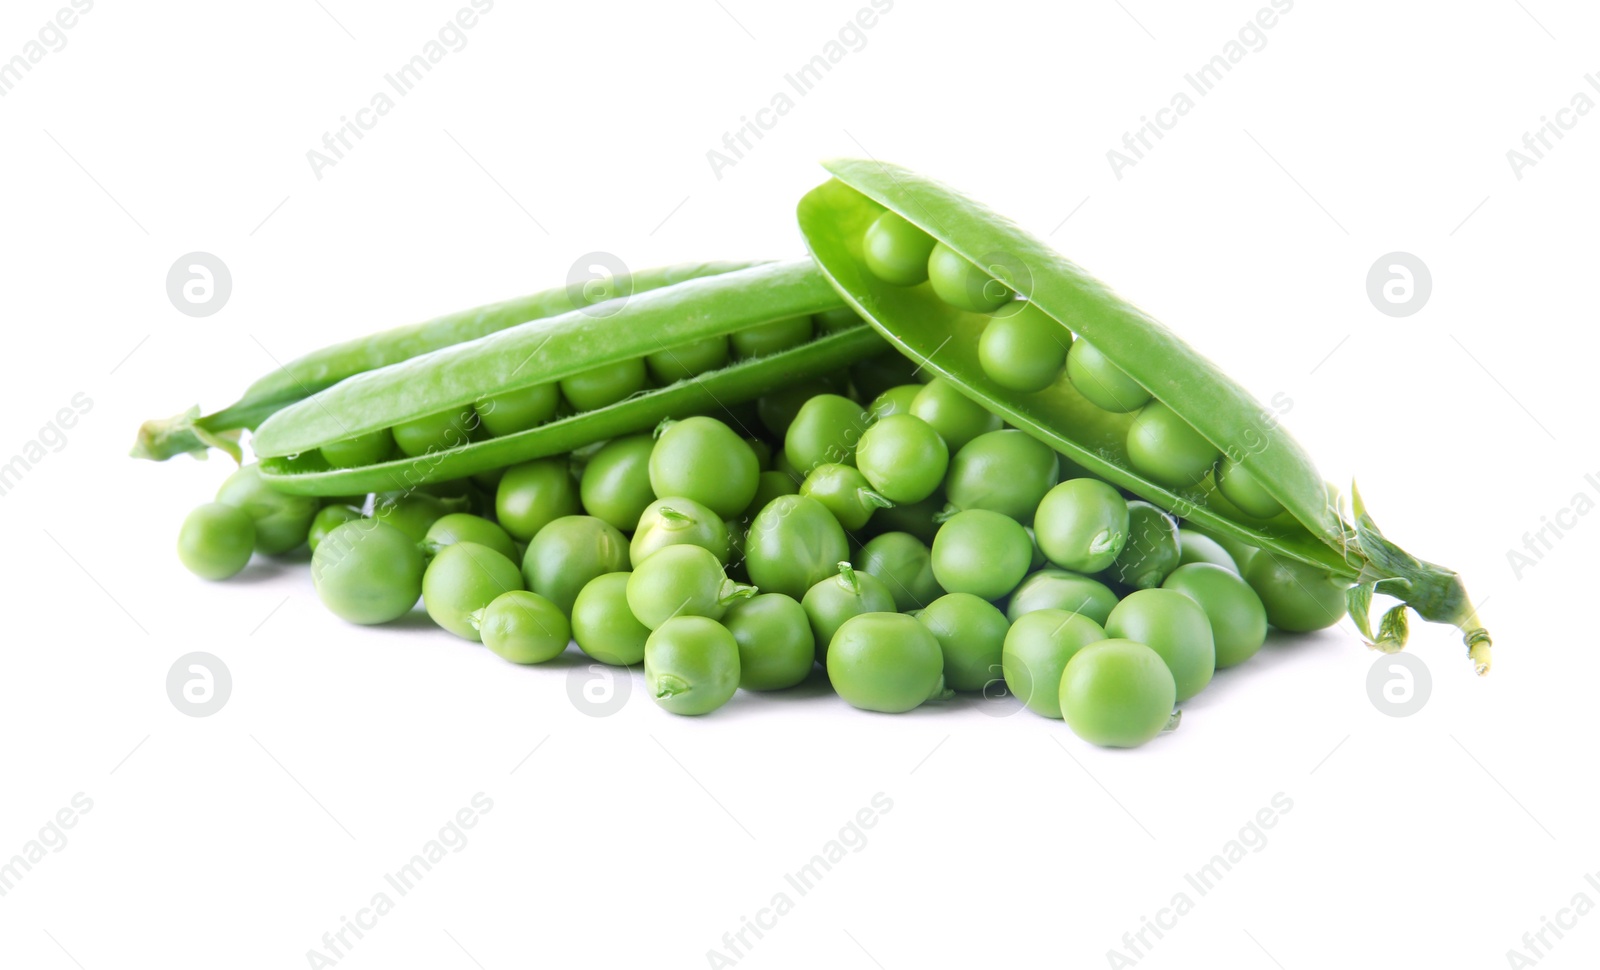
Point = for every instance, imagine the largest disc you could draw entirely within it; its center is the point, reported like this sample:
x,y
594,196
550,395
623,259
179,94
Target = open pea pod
x,y
549,350
190,432
834,218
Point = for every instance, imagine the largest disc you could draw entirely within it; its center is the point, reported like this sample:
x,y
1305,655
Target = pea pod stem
x,y
834,217
190,432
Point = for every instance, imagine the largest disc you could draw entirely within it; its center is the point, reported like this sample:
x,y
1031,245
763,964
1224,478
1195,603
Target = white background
x,y
640,839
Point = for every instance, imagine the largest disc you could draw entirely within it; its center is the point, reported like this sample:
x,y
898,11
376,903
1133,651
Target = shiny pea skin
x,y
1036,651
570,552
896,251
328,518
981,552
367,572
688,360
518,410
1298,598
846,492
793,544
1005,471
971,632
839,597
1117,694
963,285
533,494
691,665
524,627
603,626
1024,350
956,417
895,400
1174,626
615,486
903,457
463,579
703,459
1238,618
886,662
1196,547
436,432
681,581
904,564
824,431
1059,589
1082,525
465,527
766,339
282,521
362,449
776,646
676,520
604,385
1244,490
1151,552
1103,383
216,540
1163,446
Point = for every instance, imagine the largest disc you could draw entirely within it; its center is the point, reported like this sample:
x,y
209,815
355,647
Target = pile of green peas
x,y
1023,349
879,525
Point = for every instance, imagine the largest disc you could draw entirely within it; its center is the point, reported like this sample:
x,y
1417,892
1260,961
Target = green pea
x,y
896,251
824,431
776,645
688,360
920,519
972,633
903,457
281,521
603,626
463,579
1244,490
524,627
1236,550
835,320
615,485
1238,618
436,432
518,410
762,451
674,521
1298,598
413,513
963,285
793,544
886,662
1174,626
905,565
328,518
462,527
878,373
895,400
1151,551
701,458
604,385
534,494
1196,547
367,571
956,417
681,581
1102,383
777,409
1036,651
846,493
216,541
1082,525
981,552
570,552
1058,589
1024,350
1117,694
691,665
833,600
362,449
1164,447
1003,471
766,339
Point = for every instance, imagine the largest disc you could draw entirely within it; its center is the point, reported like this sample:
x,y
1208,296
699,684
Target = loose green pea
x,y
776,646
963,285
895,400
846,493
793,544
603,626
1003,471
1164,447
615,486
836,599
971,632
770,485
463,527
886,662
905,565
1117,694
570,552
328,518
1238,618
1174,626
824,431
1195,547
1058,589
956,417
1082,525
524,627
1151,552
676,520
703,459
463,579
534,494
896,251
691,665
981,552
1036,651
367,571
216,541
1102,383
681,581
413,513
281,521
903,457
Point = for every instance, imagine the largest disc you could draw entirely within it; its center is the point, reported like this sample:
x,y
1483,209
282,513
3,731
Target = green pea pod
x,y
834,217
193,433
549,350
